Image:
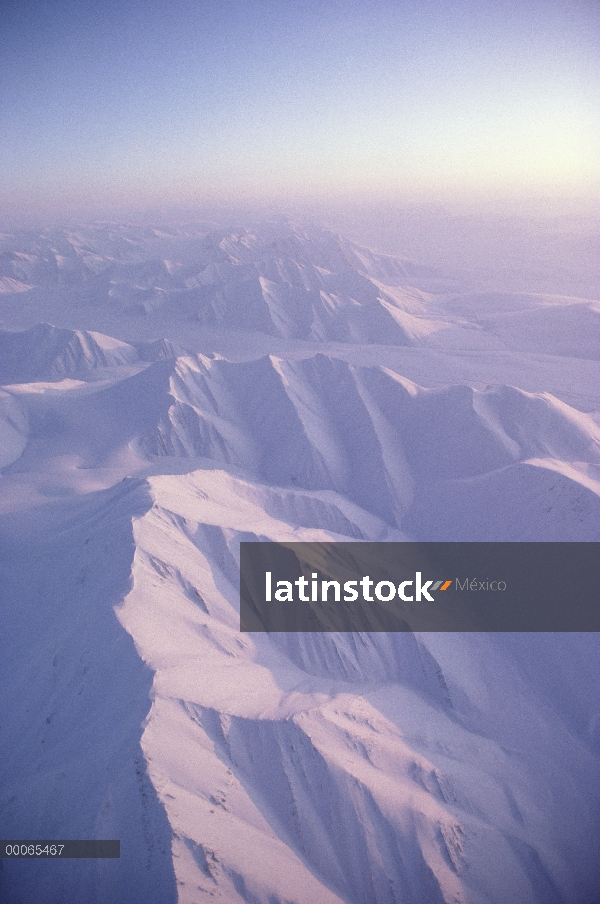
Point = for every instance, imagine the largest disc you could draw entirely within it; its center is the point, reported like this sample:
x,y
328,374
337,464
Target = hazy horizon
x,y
203,106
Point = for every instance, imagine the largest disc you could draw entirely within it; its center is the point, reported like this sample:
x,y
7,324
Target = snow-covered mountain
x,y
196,389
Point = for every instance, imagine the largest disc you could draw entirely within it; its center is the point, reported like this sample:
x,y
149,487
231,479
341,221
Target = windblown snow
x,y
167,393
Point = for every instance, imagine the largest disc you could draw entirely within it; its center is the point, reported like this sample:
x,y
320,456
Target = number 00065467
x,y
98,848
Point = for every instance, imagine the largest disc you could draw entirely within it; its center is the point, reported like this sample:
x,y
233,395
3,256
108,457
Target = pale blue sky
x,y
182,102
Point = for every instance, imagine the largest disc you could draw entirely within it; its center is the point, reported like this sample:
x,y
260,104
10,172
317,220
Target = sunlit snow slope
x,y
167,393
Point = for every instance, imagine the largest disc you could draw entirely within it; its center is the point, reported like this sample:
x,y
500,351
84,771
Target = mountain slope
x,y
305,739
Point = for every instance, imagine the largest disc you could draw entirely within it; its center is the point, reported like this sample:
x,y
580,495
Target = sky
x,y
134,104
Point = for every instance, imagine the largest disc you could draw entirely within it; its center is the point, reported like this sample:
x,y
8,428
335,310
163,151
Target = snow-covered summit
x,y
276,278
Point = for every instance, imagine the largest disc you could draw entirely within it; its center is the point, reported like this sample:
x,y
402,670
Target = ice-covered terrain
x,y
166,393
